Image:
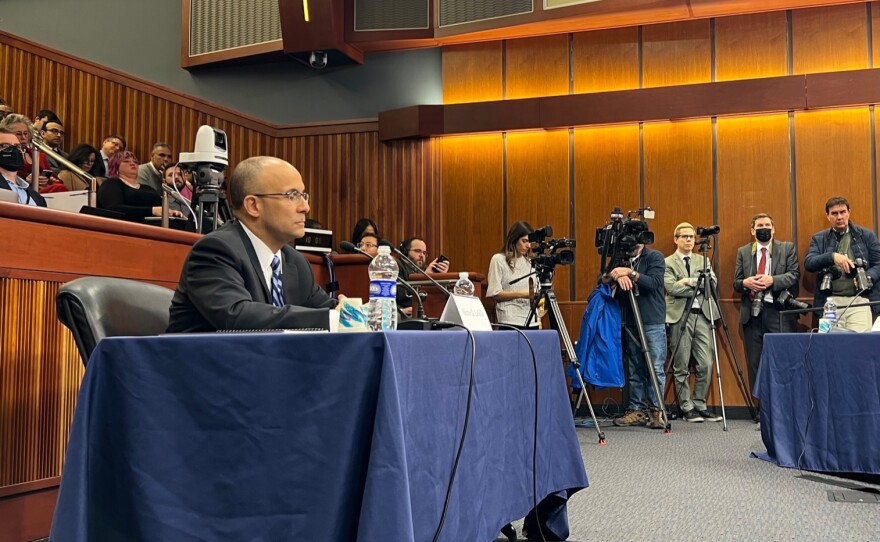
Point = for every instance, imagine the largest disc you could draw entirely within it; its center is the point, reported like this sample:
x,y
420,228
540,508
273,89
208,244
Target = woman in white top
x,y
512,302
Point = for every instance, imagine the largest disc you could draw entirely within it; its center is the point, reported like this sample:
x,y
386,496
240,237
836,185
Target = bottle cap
x,y
463,275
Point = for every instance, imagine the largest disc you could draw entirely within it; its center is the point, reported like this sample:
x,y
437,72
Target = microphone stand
x,y
416,323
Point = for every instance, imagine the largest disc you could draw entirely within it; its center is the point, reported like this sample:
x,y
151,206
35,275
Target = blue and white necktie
x,y
277,292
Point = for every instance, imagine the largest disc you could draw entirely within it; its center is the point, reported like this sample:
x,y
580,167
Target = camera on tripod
x,y
209,158
618,238
550,252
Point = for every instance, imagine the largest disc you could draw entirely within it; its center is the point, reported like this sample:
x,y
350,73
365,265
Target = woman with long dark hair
x,y
512,301
363,227
82,156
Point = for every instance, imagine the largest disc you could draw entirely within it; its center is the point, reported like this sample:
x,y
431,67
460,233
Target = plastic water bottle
x,y
382,310
464,286
829,312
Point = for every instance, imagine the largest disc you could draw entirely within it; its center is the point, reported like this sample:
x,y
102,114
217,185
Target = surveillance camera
x,y
318,60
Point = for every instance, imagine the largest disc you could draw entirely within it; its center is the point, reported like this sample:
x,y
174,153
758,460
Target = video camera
x,y
209,158
550,252
618,238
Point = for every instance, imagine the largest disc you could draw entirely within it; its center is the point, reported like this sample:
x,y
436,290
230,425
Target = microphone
x,y
173,193
387,243
348,246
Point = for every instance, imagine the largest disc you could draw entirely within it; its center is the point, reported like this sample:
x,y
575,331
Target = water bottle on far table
x,y
464,286
829,314
382,310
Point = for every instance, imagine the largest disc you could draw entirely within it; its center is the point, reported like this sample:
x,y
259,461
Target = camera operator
x,y
764,268
842,246
645,278
690,327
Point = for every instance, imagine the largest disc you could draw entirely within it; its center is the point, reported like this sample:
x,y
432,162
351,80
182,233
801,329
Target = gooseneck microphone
x,y
348,246
404,257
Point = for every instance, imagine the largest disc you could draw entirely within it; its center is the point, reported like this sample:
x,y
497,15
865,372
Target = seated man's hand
x,y
339,298
438,267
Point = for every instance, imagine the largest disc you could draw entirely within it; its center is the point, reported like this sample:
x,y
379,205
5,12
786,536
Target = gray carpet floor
x,y
700,483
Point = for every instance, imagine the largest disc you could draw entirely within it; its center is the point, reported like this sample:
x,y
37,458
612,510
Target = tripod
x,y
642,341
545,292
707,283
210,203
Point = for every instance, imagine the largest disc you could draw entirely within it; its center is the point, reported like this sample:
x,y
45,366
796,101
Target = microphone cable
x,y
467,416
534,430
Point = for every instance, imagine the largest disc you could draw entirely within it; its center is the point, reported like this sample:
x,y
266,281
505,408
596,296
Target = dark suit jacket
x,y
222,287
783,269
865,245
41,201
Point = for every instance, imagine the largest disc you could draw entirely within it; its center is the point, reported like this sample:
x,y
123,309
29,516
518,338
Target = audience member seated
x,y
83,156
111,145
416,250
11,159
52,133
363,226
175,179
43,116
21,126
153,172
370,244
122,193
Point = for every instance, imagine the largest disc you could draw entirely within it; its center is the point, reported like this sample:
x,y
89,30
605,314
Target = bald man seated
x,y
245,275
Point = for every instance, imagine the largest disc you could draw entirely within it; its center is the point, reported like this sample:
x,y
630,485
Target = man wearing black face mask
x,y
11,160
764,268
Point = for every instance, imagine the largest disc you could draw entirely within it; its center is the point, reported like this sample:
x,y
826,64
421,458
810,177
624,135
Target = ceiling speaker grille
x,y
390,14
468,11
217,25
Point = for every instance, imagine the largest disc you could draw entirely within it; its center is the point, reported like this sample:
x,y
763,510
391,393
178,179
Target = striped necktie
x,y
277,292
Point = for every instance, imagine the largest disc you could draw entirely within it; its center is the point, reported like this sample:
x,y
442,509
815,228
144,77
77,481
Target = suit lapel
x,y
252,256
290,277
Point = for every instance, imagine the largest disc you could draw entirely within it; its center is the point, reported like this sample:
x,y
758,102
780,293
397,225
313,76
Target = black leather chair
x,y
97,307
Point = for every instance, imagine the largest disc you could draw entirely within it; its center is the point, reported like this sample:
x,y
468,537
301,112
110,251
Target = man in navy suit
x,y
245,275
764,269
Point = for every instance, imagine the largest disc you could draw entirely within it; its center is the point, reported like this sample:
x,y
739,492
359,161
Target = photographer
x,y
645,278
843,246
764,269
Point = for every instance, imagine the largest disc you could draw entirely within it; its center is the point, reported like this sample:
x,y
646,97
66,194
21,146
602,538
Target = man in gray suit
x,y
764,269
690,318
152,173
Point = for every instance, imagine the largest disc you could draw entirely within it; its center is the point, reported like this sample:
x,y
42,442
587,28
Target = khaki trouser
x,y
854,318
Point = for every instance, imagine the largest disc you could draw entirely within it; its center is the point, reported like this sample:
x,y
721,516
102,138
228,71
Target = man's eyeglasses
x,y
367,245
686,237
56,131
293,195
419,251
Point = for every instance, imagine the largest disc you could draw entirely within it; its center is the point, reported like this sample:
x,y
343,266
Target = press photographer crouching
x,y
847,259
765,271
635,268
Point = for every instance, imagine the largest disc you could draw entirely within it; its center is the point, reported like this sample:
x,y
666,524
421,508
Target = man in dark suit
x,y
11,160
691,315
764,269
245,275
112,144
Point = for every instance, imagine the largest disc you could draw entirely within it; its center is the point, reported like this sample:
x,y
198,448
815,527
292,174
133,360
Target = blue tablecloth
x,y
820,396
312,437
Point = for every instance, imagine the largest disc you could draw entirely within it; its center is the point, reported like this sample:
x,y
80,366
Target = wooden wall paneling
x,y
830,38
537,67
753,177
751,46
676,54
606,175
605,60
472,72
678,177
832,159
538,188
875,27
473,227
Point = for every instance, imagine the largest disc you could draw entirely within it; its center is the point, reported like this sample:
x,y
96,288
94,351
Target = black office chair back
x,y
97,307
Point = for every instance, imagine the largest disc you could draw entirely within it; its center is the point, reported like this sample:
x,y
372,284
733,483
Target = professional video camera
x,y
209,158
618,238
550,252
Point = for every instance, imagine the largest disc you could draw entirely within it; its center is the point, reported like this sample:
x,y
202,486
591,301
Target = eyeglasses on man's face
x,y
56,131
686,237
293,195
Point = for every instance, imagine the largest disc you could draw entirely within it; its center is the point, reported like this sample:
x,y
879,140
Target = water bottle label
x,y
831,315
383,289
